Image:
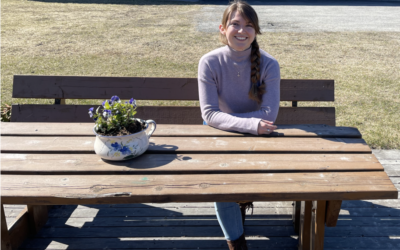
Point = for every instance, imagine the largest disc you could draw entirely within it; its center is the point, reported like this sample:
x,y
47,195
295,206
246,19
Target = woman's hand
x,y
266,127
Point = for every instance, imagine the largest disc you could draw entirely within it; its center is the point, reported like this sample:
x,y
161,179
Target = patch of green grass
x,y
125,39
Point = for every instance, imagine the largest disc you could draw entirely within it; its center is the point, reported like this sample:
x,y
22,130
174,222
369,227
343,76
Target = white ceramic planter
x,y
121,148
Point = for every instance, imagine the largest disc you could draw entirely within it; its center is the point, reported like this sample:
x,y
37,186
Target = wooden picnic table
x,y
317,166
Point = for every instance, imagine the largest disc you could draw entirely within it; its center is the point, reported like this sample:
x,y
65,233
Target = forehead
x,y
236,15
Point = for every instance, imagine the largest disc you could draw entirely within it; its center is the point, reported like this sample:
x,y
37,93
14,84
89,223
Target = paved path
x,y
311,16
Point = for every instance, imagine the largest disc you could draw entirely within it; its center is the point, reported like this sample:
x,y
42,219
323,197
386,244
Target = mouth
x,y
241,38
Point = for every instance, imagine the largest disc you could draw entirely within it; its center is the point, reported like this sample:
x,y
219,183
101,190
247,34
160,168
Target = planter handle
x,y
152,129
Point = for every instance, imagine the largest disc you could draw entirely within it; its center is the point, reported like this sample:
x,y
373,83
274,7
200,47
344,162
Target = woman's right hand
x,y
266,127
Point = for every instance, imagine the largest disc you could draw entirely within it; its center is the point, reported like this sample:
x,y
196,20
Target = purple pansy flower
x,y
132,102
107,113
91,112
115,98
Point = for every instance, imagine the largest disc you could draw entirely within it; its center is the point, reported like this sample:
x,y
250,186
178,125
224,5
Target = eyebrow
x,y
235,20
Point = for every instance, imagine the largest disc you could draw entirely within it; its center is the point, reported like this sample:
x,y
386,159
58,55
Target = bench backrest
x,y
60,88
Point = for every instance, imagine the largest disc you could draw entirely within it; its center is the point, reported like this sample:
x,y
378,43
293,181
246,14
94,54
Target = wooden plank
x,y
85,211
305,225
113,189
270,219
156,221
307,90
72,212
79,113
296,215
318,224
150,88
28,144
177,242
175,130
306,115
161,114
92,87
332,212
206,231
5,236
187,163
259,242
20,230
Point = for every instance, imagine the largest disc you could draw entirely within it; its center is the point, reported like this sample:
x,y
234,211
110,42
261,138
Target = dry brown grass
x,y
162,40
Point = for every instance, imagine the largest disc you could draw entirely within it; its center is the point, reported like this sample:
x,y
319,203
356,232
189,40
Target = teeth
x,y
241,38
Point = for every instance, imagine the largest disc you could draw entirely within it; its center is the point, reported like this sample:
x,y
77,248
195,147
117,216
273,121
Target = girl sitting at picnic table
x,y
239,90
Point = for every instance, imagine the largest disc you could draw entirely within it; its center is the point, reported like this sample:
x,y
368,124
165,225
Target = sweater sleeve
x,y
240,122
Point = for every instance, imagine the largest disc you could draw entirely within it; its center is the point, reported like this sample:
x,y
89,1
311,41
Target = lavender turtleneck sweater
x,y
224,96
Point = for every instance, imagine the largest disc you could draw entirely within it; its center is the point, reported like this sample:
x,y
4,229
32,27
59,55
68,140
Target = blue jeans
x,y
229,218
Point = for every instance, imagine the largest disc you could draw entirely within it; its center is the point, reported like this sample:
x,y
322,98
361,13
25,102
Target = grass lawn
x,y
121,39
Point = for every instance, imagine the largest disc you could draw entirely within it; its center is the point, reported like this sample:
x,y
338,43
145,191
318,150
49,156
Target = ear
x,y
222,30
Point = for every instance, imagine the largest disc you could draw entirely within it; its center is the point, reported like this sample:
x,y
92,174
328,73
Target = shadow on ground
x,y
361,225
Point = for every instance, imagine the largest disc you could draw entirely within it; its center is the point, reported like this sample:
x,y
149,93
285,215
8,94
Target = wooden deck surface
x,y
362,224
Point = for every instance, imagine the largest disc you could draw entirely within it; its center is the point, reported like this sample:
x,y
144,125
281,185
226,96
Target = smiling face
x,y
239,32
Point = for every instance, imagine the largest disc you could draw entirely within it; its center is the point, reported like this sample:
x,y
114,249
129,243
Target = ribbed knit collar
x,y
238,56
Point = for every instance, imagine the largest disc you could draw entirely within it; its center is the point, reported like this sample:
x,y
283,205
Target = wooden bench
x,y
60,88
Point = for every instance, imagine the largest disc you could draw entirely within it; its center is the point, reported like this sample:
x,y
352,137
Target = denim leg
x,y
230,219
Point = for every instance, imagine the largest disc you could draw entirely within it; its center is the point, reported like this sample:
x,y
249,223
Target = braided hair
x,y
257,88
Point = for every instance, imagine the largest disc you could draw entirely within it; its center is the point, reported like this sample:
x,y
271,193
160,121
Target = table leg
x,y
5,236
296,215
38,216
318,225
332,212
305,225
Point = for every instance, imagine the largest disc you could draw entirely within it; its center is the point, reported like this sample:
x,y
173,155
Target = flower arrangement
x,y
115,118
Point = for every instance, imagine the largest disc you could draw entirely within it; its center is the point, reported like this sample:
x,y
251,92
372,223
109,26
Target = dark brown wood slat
x,y
178,242
79,113
161,114
151,88
187,163
296,215
21,229
174,130
173,145
112,189
306,115
5,236
307,90
332,213
305,225
318,225
92,87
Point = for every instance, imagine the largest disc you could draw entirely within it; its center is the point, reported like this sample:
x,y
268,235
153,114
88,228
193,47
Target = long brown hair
x,y
257,88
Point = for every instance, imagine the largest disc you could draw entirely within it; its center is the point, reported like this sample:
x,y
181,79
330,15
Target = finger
x,y
269,122
271,127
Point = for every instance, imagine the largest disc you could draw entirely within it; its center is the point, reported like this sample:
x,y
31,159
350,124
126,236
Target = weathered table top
x,y
54,163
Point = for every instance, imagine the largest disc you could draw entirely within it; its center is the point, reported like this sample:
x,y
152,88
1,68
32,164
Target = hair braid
x,y
257,88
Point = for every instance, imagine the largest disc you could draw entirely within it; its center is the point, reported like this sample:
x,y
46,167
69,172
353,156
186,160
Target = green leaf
x,y
107,105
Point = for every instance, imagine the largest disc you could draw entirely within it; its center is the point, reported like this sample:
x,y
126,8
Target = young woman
x,y
239,90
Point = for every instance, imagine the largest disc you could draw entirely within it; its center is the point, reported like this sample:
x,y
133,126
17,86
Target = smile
x,y
240,38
